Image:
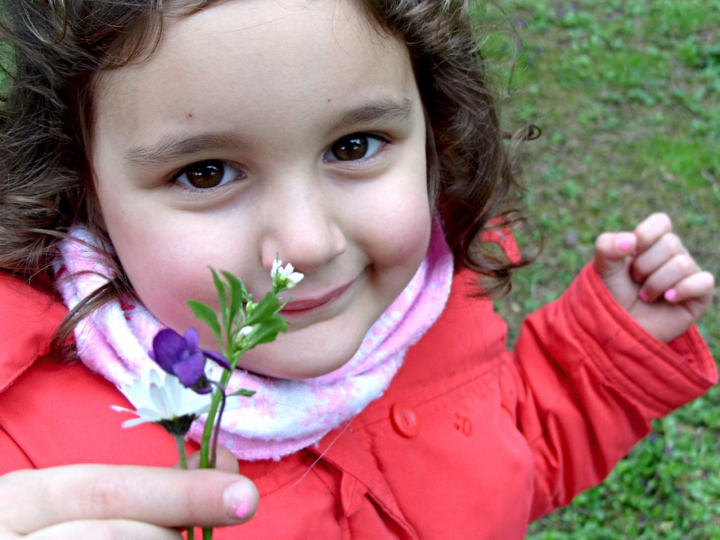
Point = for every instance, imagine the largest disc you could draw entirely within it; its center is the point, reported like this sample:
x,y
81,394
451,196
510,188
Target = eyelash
x,y
382,142
208,163
374,148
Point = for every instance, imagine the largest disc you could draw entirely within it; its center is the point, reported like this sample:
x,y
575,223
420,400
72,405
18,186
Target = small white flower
x,y
159,397
284,277
241,340
277,265
247,330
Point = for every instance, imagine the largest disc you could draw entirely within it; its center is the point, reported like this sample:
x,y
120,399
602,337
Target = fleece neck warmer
x,y
284,415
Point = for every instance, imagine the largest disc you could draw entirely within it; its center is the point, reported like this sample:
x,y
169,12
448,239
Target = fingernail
x,y
242,510
643,295
625,240
670,295
238,501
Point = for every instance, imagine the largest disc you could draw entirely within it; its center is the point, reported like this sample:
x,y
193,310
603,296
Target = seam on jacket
x,y
19,448
442,392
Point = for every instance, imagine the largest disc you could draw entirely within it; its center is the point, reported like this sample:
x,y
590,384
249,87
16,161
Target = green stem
x,y
217,397
205,450
213,455
207,454
180,441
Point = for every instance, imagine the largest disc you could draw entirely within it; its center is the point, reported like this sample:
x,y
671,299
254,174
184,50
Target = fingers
x,y
663,267
699,286
612,250
93,530
655,257
664,249
651,229
657,261
38,499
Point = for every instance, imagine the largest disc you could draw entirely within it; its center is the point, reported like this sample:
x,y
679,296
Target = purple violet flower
x,y
181,356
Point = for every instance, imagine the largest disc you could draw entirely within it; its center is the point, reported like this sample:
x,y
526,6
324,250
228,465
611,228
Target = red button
x,y
404,419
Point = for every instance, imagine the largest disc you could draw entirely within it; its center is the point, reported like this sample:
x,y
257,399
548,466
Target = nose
x,y
304,227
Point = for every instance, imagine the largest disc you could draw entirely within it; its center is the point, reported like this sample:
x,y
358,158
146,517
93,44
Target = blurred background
x,y
627,94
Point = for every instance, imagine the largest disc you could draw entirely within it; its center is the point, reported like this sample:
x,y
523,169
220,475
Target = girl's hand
x,y
652,275
101,501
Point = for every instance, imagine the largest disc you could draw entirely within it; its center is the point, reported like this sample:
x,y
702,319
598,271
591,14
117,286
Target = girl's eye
x,y
207,174
354,147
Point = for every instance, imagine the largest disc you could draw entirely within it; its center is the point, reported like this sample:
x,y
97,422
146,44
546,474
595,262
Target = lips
x,y
304,305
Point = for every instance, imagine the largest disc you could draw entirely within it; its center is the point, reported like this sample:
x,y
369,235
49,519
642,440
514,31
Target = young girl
x,y
358,140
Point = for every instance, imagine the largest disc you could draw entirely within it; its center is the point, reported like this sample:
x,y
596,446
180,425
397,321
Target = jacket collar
x,y
28,320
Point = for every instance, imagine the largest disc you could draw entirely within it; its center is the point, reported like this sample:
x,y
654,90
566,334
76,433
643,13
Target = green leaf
x,y
265,309
242,392
221,290
207,315
267,331
238,293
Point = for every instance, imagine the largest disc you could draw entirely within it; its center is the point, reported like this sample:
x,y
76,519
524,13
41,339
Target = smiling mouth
x,y
307,305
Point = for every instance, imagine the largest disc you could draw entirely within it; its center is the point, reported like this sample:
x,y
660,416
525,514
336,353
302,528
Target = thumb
x,y
611,252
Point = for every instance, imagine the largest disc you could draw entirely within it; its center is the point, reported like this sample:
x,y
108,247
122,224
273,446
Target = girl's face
x,y
259,128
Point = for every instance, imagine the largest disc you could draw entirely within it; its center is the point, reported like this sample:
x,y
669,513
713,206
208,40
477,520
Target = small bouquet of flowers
x,y
179,394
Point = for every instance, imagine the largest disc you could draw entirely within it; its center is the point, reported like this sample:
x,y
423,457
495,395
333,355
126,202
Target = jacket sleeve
x,y
586,380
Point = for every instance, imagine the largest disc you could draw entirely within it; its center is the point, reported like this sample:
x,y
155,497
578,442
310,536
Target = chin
x,y
305,366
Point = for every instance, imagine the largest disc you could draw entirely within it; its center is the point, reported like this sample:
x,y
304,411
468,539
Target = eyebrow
x,y
385,110
172,148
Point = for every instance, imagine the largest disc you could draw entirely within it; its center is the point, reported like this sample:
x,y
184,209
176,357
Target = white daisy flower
x,y
161,398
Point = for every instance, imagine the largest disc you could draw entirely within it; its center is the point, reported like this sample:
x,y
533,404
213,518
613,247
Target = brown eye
x,y
353,147
350,148
207,174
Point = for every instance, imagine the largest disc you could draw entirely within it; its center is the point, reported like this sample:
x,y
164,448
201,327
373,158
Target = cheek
x,y
401,223
404,242
414,243
165,269
163,276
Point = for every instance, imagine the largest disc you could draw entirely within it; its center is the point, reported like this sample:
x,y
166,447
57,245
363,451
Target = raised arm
x,y
593,368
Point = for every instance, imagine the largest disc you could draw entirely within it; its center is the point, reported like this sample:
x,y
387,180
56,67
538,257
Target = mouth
x,y
310,304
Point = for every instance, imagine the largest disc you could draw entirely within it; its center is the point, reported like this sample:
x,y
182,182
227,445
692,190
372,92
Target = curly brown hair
x,y
57,47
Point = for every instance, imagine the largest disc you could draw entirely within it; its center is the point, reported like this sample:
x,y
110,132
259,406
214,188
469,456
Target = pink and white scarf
x,y
284,415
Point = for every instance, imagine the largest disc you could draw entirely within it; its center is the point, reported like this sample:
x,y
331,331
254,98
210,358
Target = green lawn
x,y
628,97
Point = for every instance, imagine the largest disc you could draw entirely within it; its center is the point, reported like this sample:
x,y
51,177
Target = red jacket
x,y
469,441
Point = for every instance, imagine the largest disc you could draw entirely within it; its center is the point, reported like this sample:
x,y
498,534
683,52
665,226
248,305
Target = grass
x,y
628,97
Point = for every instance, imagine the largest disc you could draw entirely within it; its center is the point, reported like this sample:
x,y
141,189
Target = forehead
x,y
259,47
